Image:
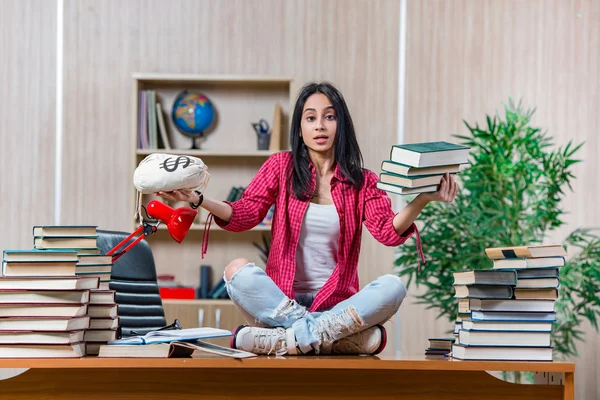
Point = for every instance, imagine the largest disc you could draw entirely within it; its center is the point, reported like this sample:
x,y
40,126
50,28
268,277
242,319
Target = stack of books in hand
x,y
510,307
419,167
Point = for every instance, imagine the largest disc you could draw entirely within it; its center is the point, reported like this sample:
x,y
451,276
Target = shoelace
x,y
270,339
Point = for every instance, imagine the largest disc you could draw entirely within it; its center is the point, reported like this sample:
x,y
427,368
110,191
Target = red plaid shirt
x,y
369,205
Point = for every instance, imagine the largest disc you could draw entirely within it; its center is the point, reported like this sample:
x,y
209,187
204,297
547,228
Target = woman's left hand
x,y
446,192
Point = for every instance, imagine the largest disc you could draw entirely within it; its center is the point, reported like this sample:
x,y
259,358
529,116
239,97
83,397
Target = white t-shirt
x,y
316,256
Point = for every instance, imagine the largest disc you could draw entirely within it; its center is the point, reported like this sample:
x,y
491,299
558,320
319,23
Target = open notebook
x,y
173,335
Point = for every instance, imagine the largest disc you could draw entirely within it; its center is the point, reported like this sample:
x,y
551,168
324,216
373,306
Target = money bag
x,y
167,172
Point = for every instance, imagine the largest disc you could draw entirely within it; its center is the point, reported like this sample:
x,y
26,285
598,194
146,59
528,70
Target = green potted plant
x,y
510,195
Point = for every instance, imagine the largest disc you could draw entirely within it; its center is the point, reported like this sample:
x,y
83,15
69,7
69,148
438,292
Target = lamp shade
x,y
178,220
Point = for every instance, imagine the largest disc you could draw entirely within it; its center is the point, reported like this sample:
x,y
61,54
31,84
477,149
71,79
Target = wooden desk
x,y
276,378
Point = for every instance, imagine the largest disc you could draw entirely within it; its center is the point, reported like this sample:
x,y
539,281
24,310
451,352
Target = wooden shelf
x,y
207,153
214,227
212,79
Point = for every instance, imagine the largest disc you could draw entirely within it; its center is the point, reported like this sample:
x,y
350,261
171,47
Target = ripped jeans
x,y
263,304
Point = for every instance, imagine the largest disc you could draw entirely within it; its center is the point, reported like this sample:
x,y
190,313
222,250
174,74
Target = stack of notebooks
x,y
506,313
419,167
46,305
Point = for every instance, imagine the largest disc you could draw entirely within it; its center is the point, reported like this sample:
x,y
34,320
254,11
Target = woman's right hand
x,y
179,195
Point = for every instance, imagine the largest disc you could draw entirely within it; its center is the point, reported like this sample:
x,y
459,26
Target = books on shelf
x,y
152,130
419,167
516,327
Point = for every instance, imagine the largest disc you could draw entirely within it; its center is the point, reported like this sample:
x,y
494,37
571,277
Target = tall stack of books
x,y
43,304
104,322
102,309
510,307
419,167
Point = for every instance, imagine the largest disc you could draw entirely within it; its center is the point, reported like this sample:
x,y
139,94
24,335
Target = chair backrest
x,y
133,278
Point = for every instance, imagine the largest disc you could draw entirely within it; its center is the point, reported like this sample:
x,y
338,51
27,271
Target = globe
x,y
193,113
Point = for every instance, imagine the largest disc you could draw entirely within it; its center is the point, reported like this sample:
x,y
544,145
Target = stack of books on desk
x,y
439,346
104,322
511,307
43,304
102,309
419,167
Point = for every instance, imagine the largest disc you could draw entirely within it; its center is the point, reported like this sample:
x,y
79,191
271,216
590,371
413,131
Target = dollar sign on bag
x,y
171,166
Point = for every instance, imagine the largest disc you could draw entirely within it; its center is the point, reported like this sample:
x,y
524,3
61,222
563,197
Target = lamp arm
x,y
147,228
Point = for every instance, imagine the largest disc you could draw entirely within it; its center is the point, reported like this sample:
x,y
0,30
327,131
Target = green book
x,y
429,154
407,170
410,181
388,187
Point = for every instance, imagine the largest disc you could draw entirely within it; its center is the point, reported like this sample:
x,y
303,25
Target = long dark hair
x,y
346,150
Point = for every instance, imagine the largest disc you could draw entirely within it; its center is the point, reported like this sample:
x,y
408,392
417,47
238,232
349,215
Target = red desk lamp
x,y
178,223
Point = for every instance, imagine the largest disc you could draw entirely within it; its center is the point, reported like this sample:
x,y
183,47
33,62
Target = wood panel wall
x,y
465,58
27,118
27,121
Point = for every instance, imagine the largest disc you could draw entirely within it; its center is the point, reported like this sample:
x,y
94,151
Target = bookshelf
x,y
229,149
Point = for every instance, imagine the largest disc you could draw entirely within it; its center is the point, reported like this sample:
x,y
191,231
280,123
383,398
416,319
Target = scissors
x,y
261,127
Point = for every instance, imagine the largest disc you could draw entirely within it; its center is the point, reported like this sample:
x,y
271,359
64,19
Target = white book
x,y
502,353
48,324
511,305
100,335
500,338
48,283
43,310
41,337
45,296
507,326
75,350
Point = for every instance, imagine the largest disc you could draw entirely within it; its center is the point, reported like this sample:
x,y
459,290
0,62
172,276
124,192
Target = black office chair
x,y
133,278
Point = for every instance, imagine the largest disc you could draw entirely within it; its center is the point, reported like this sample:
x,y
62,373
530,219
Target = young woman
x,y
308,299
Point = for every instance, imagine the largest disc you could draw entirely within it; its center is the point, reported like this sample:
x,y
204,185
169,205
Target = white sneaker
x,y
265,341
371,341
